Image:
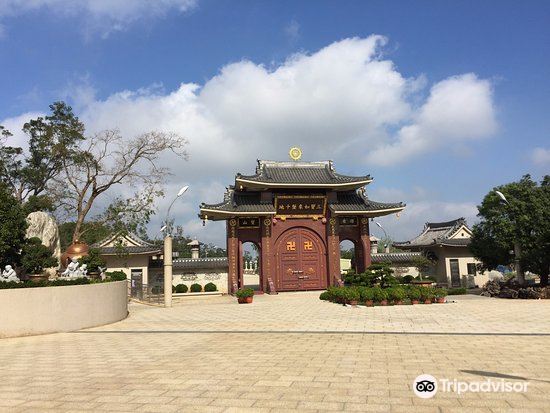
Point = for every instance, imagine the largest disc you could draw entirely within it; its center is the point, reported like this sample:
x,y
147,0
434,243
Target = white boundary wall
x,y
41,310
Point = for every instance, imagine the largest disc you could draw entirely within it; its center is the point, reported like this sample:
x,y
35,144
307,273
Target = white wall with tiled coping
x,y
42,310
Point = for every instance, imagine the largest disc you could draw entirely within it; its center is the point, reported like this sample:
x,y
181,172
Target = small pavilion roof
x,y
273,174
440,234
125,243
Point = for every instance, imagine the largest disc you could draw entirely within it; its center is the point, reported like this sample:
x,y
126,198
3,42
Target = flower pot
x,y
35,278
369,303
398,303
429,301
440,300
354,303
245,300
384,302
413,302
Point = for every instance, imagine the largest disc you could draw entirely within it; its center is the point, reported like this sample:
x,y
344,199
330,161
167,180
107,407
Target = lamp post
x,y
386,245
517,246
167,228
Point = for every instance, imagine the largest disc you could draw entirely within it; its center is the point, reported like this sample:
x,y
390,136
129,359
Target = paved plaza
x,y
290,352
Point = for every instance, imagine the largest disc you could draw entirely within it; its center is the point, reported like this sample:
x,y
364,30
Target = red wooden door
x,y
301,261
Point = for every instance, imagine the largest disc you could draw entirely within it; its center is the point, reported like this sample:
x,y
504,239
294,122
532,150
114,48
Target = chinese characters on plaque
x,y
300,206
249,222
349,221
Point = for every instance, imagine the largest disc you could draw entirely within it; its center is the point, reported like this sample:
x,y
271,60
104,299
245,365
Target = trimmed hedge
x,y
196,288
458,291
344,295
181,288
210,287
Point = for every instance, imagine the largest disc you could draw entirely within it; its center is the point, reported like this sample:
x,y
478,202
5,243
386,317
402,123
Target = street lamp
x,y
167,229
386,245
517,246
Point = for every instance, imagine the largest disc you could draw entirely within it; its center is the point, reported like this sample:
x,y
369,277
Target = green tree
x,y
35,257
52,140
12,227
524,219
92,232
422,264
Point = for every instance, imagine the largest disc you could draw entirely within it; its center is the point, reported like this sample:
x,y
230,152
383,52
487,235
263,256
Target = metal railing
x,y
151,294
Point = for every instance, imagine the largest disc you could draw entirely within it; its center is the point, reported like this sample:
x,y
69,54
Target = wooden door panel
x,y
301,260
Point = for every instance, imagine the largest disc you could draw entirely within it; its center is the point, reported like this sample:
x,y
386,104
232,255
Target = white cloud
x,y
541,156
343,102
459,109
100,16
292,30
411,221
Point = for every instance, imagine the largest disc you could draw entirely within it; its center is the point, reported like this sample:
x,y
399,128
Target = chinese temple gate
x,y
296,213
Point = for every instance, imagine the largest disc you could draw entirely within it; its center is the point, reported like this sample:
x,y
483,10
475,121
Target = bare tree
x,y
107,160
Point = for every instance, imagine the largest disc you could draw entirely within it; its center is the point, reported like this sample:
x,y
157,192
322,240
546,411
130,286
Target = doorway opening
x,y
250,266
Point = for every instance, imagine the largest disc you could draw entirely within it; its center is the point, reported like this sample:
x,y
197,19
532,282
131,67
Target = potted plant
x,y
426,294
352,296
380,296
440,294
245,295
367,296
35,257
397,295
414,295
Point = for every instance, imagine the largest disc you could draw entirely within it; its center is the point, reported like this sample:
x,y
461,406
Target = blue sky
x,y
114,61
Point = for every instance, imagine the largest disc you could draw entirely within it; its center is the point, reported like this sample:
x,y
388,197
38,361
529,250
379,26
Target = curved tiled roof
x,y
357,201
304,174
438,233
238,203
250,203
201,263
395,257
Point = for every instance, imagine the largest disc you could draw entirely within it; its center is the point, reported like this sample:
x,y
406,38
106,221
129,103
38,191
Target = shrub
x,y
35,257
381,274
352,294
413,293
210,287
365,294
181,288
407,279
196,288
457,291
242,292
116,275
379,294
440,292
426,293
93,260
396,294
325,296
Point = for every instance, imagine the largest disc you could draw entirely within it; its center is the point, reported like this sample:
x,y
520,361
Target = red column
x,y
333,252
365,245
267,266
232,256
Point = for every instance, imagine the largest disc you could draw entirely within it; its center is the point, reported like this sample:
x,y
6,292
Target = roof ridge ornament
x,y
295,153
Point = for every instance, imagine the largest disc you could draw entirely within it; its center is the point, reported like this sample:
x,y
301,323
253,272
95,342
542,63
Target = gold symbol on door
x,y
291,246
308,246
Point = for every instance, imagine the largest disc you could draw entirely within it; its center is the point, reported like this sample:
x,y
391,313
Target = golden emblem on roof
x,y
295,153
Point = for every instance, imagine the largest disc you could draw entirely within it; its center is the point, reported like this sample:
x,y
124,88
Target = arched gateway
x,y
296,213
